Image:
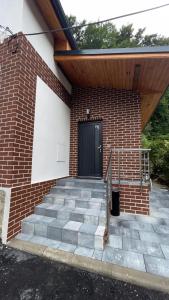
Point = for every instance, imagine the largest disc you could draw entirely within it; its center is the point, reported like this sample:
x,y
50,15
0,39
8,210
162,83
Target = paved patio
x,y
136,241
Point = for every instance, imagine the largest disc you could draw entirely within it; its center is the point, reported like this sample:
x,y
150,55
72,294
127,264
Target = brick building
x,y
63,110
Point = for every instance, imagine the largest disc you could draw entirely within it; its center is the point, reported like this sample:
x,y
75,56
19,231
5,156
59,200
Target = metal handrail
x,y
144,169
144,175
108,180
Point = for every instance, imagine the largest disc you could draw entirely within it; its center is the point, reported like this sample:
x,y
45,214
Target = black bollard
x,y
115,203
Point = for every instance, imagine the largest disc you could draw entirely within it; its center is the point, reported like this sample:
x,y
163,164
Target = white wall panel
x,y
51,135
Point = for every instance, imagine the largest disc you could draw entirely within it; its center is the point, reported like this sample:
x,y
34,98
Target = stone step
x,y
74,201
83,215
76,233
83,183
79,192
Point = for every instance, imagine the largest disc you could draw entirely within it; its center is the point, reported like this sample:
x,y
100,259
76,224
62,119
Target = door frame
x,y
101,132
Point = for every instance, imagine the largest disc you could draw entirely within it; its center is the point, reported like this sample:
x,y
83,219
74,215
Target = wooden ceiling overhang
x,y
145,70
55,18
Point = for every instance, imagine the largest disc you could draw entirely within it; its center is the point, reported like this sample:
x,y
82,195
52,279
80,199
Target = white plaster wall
x,y
11,14
51,144
24,15
5,219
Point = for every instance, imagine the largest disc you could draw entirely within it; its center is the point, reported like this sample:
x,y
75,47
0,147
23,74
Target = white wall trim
x,y
5,218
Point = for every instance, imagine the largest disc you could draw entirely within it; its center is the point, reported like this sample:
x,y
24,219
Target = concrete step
x,y
73,232
83,215
79,192
74,201
83,183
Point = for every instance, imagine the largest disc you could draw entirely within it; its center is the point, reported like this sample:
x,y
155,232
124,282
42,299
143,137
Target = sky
x,y
156,21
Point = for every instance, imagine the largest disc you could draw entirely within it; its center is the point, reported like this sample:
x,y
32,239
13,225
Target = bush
x,y
159,156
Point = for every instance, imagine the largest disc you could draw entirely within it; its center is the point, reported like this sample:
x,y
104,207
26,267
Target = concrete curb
x,y
110,270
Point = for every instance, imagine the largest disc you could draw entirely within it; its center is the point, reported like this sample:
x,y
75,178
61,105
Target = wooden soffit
x,y
146,73
62,42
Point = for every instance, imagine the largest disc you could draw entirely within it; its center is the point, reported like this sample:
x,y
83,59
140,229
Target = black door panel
x,y
90,149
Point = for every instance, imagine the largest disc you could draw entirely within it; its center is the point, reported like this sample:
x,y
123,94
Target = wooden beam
x,y
61,45
148,106
52,21
73,58
136,77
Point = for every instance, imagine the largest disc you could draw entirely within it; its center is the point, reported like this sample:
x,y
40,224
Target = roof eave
x,y
63,21
139,50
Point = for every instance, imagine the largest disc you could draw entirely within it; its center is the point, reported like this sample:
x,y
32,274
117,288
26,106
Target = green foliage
x,y
159,157
159,123
156,137
106,35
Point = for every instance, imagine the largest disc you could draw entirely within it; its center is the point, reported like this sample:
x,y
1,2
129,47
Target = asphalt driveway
x,y
28,277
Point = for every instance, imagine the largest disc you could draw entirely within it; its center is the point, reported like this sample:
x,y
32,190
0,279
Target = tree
x,y
106,35
158,125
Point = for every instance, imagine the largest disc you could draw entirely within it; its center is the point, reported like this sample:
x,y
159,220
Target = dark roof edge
x,y
141,50
63,21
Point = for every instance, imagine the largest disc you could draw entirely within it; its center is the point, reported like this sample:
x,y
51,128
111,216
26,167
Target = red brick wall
x,y
120,112
20,66
23,200
133,199
18,88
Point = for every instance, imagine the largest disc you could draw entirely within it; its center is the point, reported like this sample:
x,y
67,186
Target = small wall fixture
x,y
88,112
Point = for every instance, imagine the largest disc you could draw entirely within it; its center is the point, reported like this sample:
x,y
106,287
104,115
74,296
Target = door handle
x,y
100,148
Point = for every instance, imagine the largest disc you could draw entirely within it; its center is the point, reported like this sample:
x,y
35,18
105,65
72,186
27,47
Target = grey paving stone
x,y
54,233
70,236
86,194
45,241
102,220
157,266
136,225
86,240
33,218
72,225
88,219
70,203
64,213
148,219
95,205
44,220
41,208
115,241
164,209
84,251
59,201
88,228
67,247
161,215
23,236
154,237
124,258
77,217
121,231
165,250
58,223
41,229
125,216
97,254
82,204
161,229
28,228
142,247
93,212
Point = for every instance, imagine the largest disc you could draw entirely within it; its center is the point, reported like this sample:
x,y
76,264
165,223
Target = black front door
x,y
90,149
